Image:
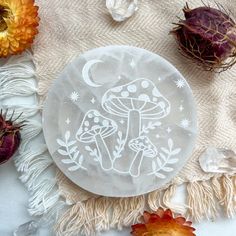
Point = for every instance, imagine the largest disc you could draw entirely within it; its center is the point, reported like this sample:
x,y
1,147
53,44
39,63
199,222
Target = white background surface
x,y
13,209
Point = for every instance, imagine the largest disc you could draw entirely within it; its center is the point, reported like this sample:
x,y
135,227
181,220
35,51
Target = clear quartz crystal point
x,y
218,160
120,10
28,229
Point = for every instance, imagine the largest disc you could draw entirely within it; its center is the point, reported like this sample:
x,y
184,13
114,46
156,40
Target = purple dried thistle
x,y
208,36
9,136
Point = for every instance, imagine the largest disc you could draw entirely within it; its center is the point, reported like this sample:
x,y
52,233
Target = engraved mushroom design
x,y
143,148
137,100
94,129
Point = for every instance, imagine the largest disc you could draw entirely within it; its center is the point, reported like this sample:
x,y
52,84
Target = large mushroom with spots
x,y
94,129
143,148
137,100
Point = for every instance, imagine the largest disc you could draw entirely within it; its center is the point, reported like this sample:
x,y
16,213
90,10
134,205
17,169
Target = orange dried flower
x,y
18,25
162,222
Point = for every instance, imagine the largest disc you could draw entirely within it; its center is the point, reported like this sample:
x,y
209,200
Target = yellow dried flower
x,y
18,25
163,223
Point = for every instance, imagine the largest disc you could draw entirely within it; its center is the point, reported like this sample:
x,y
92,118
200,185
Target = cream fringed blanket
x,y
70,27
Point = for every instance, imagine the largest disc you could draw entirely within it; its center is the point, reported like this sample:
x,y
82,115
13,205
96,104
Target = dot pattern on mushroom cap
x,y
144,144
141,95
93,124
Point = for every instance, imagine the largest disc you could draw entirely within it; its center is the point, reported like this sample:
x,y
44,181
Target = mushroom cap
x,y
140,95
143,143
95,124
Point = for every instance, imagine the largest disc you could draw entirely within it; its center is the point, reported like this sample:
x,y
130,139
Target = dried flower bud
x,y
9,137
208,36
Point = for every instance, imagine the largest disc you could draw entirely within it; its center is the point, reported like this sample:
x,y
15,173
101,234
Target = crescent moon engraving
x,y
85,72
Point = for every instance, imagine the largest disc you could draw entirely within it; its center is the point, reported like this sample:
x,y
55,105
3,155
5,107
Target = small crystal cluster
x,y
28,229
120,10
218,160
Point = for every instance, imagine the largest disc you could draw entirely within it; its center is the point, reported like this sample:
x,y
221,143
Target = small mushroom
x,y
143,148
137,100
94,129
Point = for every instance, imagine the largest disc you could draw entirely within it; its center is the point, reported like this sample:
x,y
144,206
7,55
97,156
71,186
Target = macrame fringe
x,y
17,78
205,200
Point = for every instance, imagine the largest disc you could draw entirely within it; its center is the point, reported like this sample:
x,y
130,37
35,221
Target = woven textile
x,y
71,27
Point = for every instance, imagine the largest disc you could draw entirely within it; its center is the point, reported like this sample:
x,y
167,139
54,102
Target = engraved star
x,y
159,79
180,83
68,121
185,123
74,96
93,100
122,122
181,108
168,130
132,63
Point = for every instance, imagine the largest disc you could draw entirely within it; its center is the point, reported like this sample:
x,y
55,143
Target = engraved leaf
x,y
159,162
75,155
119,134
81,159
66,161
173,161
62,152
176,151
73,149
67,135
163,156
87,148
159,175
154,166
170,143
73,168
95,151
167,169
165,150
71,143
61,143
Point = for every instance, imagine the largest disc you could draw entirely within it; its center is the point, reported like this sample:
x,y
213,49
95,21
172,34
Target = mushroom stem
x,y
133,131
134,123
106,163
136,164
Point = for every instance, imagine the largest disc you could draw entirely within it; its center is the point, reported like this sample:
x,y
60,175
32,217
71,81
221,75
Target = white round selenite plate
x,y
120,121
